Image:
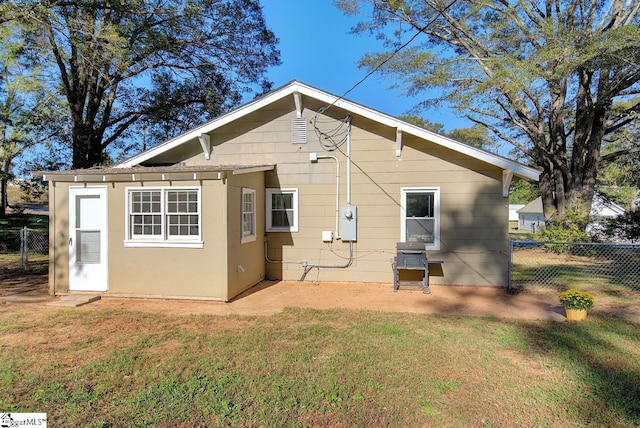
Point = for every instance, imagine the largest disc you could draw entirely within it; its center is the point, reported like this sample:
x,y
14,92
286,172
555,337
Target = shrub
x,y
626,226
569,228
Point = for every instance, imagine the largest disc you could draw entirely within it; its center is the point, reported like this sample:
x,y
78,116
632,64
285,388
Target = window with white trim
x,y
163,215
248,215
282,210
420,214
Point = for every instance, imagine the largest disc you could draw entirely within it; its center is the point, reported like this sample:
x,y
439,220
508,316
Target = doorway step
x,y
73,300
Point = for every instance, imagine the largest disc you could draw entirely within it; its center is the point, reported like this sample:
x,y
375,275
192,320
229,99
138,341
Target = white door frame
x,y
88,219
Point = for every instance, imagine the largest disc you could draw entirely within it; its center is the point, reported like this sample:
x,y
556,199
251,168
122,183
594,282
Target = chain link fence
x,y
563,265
19,247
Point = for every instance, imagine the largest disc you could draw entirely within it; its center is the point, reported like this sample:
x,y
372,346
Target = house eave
x,y
298,90
144,174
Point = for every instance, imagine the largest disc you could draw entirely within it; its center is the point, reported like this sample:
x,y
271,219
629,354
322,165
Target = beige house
x,y
298,184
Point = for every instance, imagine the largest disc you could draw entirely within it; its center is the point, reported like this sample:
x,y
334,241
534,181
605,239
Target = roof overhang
x,y
298,90
141,174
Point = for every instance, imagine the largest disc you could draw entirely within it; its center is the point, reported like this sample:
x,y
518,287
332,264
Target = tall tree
x,y
24,103
620,179
543,75
158,61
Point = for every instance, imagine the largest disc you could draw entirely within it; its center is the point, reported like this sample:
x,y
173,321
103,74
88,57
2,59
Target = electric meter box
x,y
348,221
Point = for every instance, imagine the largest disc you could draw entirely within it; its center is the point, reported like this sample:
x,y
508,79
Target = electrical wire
x,y
391,56
335,138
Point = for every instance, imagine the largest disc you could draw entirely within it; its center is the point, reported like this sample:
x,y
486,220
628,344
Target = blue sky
x,y
317,48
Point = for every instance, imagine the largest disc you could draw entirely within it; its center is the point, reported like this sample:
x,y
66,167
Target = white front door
x,y
88,239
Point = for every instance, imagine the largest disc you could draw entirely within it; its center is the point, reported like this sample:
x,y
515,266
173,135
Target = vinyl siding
x,y
473,241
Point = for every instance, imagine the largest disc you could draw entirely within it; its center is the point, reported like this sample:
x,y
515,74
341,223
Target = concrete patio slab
x,y
73,300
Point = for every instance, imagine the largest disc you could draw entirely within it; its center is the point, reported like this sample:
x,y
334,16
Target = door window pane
x,y
88,212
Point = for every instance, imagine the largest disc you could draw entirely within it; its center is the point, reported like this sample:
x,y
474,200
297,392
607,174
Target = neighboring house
x,y
602,208
531,216
513,215
267,191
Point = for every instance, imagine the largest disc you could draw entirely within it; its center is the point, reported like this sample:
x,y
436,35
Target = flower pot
x,y
576,314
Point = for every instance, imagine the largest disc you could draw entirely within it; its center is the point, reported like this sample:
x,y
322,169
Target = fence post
x,y
510,270
24,248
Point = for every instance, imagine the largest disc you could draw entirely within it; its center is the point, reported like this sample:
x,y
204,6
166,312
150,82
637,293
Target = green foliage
x,y
562,233
34,189
523,192
438,128
560,230
619,176
568,228
24,102
166,65
526,71
476,135
623,195
576,299
626,226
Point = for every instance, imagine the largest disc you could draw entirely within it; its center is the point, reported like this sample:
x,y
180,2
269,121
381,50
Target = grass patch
x,y
13,221
11,269
317,368
611,270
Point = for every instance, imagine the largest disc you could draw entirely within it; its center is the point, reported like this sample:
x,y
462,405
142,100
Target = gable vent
x,y
299,135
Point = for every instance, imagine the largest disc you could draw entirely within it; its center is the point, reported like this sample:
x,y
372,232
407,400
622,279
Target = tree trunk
x,y
3,196
87,148
86,154
5,174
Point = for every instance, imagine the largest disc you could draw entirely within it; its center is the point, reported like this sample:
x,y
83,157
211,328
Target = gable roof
x,y
300,90
533,207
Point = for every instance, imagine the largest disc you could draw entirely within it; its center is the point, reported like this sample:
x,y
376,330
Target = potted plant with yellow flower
x,y
576,303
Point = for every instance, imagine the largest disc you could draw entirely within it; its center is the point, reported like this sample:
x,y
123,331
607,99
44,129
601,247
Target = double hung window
x,y
421,216
248,215
163,216
282,210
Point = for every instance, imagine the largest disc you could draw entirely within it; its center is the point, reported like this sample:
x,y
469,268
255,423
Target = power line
x,y
393,54
326,136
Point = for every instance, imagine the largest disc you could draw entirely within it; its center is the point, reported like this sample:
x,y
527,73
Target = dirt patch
x,y
270,297
12,286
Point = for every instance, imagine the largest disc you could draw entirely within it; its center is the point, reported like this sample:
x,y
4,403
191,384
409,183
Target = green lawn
x,y
597,268
18,221
105,368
